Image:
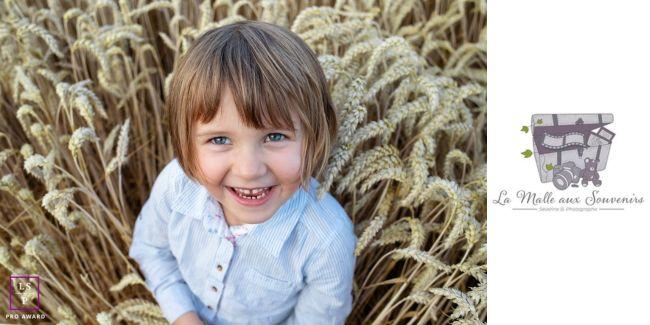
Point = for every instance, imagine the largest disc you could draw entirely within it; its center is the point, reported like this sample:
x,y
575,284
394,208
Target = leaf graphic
x,y
524,129
540,121
549,166
527,153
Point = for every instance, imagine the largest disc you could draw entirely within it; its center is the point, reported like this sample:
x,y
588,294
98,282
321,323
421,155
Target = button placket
x,y
213,292
223,259
214,281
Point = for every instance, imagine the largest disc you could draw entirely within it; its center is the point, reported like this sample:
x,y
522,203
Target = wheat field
x,y
83,136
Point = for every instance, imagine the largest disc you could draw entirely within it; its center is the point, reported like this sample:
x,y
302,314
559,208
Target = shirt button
x,y
214,288
219,268
210,307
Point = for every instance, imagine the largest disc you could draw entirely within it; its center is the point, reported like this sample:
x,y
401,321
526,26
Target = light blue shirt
x,y
295,268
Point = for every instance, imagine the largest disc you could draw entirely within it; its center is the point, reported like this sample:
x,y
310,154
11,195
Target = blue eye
x,y
276,137
220,140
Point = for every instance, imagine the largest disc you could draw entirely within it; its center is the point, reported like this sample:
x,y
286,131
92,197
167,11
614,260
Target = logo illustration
x,y
570,149
27,288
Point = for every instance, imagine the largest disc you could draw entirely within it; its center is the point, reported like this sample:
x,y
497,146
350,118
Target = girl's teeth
x,y
255,194
249,192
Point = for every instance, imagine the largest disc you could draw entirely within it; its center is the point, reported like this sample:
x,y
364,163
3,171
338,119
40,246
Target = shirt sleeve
x,y
150,248
327,295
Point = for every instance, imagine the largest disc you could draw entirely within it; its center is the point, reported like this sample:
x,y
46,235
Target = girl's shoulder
x,y
170,180
326,216
172,170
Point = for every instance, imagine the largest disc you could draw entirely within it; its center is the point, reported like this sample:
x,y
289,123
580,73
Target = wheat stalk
x,y
376,224
455,156
149,7
418,235
420,256
398,232
24,28
122,148
465,304
129,279
79,137
104,318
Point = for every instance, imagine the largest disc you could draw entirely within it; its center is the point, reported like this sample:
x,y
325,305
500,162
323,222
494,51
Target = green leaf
x,y
527,153
549,166
540,121
524,129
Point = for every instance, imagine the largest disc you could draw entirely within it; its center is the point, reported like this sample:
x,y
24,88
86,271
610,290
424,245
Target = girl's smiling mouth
x,y
252,197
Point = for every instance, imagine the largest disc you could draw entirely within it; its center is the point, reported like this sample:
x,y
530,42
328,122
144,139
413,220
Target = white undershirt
x,y
232,232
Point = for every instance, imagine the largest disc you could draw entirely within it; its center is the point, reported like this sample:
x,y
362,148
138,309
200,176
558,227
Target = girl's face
x,y
250,172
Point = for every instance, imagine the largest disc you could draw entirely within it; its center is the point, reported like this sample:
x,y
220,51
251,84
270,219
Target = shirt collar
x,y
272,233
191,199
194,200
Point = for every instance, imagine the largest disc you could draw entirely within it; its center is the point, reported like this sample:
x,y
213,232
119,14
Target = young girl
x,y
232,231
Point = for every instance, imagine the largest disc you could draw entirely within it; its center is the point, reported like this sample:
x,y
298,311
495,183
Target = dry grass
x,y
82,138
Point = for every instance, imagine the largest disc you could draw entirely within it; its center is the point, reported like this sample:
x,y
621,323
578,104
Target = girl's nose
x,y
249,164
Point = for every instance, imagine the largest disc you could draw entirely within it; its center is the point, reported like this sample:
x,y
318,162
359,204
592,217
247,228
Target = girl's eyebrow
x,y
208,132
211,132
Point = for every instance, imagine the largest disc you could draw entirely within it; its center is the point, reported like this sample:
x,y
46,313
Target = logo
x,y
570,149
24,292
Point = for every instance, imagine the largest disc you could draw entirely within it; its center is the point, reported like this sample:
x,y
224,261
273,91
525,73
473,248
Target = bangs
x,y
264,91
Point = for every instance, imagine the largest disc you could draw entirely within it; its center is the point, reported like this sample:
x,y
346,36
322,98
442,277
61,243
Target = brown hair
x,y
270,72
